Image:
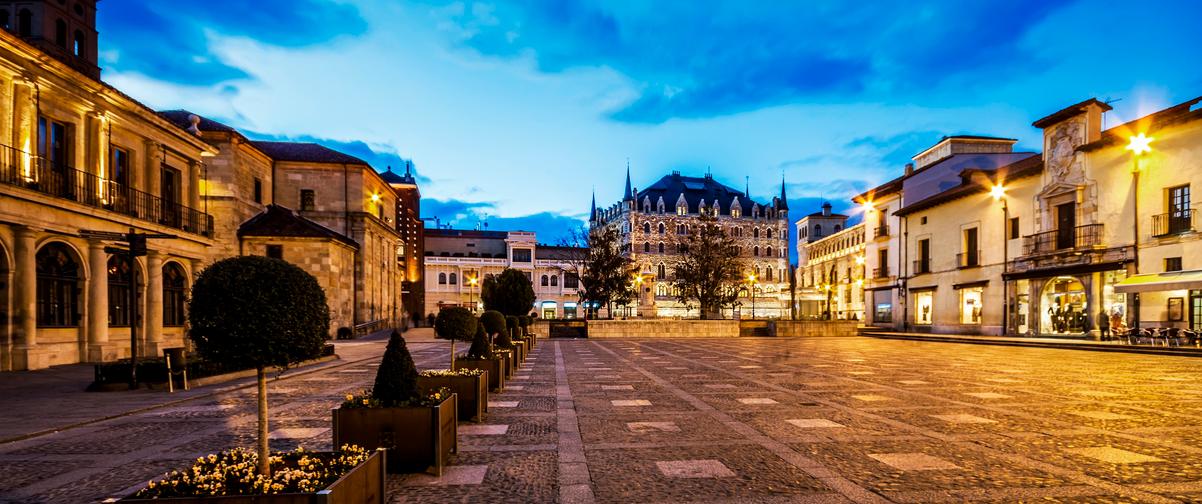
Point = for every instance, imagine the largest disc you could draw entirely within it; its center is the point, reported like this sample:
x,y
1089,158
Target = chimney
x,y
909,169
826,209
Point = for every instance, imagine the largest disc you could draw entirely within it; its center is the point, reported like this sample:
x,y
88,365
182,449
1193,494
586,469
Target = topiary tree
x,y
257,312
396,378
456,324
510,293
493,322
511,324
481,346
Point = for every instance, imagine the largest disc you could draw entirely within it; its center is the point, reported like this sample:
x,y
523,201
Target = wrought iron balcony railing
x,y
1063,239
922,266
969,259
882,272
882,231
22,169
1176,222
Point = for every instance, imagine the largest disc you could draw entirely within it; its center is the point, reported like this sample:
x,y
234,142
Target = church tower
x,y
64,29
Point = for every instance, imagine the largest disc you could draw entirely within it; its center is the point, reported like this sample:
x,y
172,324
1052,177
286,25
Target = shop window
x,y
883,312
924,304
970,305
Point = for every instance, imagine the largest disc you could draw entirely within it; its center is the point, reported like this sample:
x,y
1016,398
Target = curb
x,y
1178,352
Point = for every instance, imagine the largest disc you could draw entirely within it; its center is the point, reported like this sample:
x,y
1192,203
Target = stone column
x,y
152,313
26,354
152,164
99,348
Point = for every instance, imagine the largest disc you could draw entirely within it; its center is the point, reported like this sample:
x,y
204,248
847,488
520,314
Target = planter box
x,y
494,367
519,350
511,365
362,485
418,438
471,393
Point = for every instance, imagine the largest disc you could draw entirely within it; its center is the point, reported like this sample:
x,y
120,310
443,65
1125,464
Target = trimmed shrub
x,y
396,378
510,293
481,346
511,323
493,322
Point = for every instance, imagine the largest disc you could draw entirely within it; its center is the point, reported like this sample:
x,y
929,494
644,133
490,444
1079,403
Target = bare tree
x,y
708,271
594,257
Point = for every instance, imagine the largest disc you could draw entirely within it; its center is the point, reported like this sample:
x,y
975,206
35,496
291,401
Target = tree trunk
x,y
453,354
264,450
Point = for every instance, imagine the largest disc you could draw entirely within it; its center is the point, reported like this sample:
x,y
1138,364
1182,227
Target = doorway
x,y
1064,307
1066,225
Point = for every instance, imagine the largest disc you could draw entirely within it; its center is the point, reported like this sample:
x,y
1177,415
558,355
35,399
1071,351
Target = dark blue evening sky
x,y
513,111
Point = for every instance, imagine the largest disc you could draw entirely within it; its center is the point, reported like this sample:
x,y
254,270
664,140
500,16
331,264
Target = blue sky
x,y
514,111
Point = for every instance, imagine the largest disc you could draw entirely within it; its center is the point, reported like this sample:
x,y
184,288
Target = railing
x,y
21,169
922,266
882,231
369,327
1181,221
970,259
1063,239
881,272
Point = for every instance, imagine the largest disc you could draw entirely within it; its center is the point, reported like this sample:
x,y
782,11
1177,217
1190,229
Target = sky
x,y
514,113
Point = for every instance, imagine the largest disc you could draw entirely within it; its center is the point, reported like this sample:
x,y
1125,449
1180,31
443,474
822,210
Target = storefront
x,y
548,309
924,306
1169,299
1066,302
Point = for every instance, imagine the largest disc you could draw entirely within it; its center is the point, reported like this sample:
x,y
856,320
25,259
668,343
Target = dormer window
x,y
682,209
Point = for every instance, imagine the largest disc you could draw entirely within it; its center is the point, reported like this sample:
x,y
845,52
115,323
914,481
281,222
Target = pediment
x,y
1057,189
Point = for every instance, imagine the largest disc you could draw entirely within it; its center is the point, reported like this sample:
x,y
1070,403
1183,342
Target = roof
x,y
889,187
305,152
971,183
182,118
465,233
554,252
1068,112
695,189
392,177
1177,114
280,221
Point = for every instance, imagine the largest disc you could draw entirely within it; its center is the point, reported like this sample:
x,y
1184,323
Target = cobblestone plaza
x,y
749,420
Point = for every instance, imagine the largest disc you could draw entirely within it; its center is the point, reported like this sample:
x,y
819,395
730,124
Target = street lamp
x,y
1138,145
999,194
471,301
751,292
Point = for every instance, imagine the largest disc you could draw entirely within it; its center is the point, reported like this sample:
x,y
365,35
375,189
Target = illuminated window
x,y
924,303
970,305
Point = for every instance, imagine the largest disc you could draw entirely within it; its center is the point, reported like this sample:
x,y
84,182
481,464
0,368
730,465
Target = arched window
x,y
119,289
682,209
442,279
755,251
454,278
80,44
554,280
544,281
837,228
661,247
175,291
25,23
647,227
768,274
768,252
755,233
60,33
817,229
661,228
661,272
57,286
647,247
769,231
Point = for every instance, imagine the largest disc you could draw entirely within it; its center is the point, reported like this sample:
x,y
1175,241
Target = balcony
x,y
882,231
1177,222
1063,240
922,266
21,169
970,259
882,272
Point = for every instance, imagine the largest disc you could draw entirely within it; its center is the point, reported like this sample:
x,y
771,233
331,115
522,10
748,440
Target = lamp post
x,y
751,292
1138,145
999,194
471,300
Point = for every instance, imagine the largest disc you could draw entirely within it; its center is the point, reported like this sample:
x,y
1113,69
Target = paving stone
x,y
630,402
814,423
652,426
617,387
297,433
452,475
1102,415
964,418
483,430
694,469
502,404
988,395
871,397
757,400
914,382
913,461
1114,455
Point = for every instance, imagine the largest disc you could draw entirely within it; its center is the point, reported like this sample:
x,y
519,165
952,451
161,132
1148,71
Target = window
x,y
4,20
1172,264
924,302
971,255
1013,232
119,290
646,247
737,231
769,233
1179,218
258,190
837,228
554,280
275,251
970,305
571,281
454,279
81,49
923,220
661,228
768,274
544,281
755,233
521,255
923,264
817,230
647,227
119,171
882,263
768,253
60,33
661,247
442,279
682,209
57,286
755,251
308,200
175,288
661,272
884,306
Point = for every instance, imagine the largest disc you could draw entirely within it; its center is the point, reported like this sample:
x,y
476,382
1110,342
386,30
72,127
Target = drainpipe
x,y
902,296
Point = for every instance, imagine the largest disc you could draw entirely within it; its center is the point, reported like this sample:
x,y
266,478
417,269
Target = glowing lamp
x,y
375,198
998,192
867,205
1140,144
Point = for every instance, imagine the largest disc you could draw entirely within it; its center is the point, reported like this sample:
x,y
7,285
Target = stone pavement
x,y
1075,343
748,420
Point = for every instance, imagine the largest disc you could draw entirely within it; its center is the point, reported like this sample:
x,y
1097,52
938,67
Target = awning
x,y
1169,280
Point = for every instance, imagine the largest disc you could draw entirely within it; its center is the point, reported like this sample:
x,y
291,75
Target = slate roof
x,y
695,189
305,152
280,221
972,181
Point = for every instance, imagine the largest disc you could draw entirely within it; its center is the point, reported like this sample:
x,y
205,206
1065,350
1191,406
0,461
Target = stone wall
x,y
600,329
811,328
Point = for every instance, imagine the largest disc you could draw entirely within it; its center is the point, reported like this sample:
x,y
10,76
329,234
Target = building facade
x,y
78,155
412,231
457,261
831,271
654,222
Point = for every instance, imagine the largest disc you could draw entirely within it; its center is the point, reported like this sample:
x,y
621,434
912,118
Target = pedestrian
x,y
1104,325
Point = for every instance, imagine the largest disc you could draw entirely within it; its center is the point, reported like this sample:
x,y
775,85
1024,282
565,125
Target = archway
x,y
1065,307
6,327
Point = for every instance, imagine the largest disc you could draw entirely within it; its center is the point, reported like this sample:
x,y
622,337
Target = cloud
x,y
690,60
549,227
170,40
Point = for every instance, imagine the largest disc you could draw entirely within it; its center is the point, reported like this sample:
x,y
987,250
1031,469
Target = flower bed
x,y
470,386
494,367
351,475
420,435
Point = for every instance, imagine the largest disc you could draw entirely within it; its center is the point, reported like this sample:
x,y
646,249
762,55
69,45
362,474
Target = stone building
x,y
457,261
831,271
655,221
77,154
412,233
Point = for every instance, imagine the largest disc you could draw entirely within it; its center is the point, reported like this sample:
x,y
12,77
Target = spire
x,y
629,196
408,165
784,200
593,213
747,186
